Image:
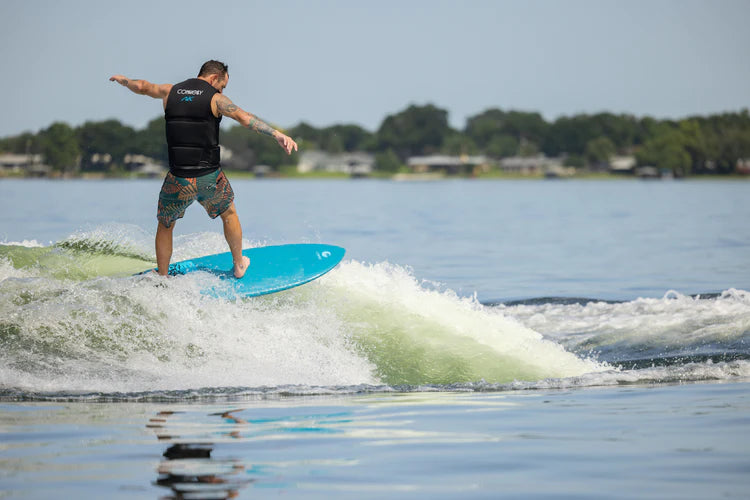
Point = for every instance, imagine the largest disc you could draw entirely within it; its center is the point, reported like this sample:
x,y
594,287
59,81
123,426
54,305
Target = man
x,y
193,110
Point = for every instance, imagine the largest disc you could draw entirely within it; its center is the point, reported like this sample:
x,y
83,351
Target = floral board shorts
x,y
213,191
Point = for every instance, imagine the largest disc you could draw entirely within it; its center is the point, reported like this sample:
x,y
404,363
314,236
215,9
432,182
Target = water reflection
x,y
190,471
319,445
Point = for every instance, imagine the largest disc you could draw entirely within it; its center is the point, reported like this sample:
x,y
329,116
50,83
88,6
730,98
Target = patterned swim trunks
x,y
213,191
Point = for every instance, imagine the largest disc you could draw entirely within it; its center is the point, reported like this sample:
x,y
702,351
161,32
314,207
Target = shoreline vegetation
x,y
292,174
416,143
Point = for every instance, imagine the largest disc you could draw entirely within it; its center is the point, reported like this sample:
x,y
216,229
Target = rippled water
x,y
479,337
687,441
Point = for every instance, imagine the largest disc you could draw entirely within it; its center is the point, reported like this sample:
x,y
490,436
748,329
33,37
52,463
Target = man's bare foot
x,y
239,270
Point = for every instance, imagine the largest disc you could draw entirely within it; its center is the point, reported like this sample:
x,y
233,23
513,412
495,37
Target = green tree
x,y
152,140
621,130
599,150
523,126
458,144
570,134
667,151
25,143
60,147
347,138
526,126
528,148
733,144
267,151
708,144
105,137
716,142
650,128
333,143
502,146
306,134
250,148
236,140
574,161
486,127
418,130
387,161
334,139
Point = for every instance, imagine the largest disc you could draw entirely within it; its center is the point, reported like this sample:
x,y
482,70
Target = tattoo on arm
x,y
260,126
225,105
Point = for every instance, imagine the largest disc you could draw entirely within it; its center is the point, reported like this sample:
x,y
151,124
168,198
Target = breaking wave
x,y
75,323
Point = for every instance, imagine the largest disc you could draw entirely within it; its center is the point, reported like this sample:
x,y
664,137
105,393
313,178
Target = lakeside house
x,y
144,165
622,164
628,165
356,164
30,164
743,166
450,165
536,165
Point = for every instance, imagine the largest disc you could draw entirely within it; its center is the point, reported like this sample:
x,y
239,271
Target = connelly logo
x,y
189,92
187,99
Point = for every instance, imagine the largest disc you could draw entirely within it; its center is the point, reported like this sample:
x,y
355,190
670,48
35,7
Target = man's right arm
x,y
143,87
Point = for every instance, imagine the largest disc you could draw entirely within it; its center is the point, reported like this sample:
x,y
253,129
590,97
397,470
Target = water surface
x,y
526,338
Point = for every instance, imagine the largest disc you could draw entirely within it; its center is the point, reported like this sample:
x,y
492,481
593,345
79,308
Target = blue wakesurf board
x,y
272,268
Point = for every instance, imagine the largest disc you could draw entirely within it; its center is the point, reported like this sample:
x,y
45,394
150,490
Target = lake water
x,y
480,339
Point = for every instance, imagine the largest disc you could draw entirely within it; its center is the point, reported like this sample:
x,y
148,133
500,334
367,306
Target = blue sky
x,y
331,61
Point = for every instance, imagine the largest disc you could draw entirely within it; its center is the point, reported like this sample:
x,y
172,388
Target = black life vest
x,y
192,129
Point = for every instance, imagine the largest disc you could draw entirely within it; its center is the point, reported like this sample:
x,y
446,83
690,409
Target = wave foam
x,y
416,335
360,325
24,243
673,324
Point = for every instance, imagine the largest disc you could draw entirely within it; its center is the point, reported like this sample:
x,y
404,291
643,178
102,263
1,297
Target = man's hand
x,y
119,79
285,142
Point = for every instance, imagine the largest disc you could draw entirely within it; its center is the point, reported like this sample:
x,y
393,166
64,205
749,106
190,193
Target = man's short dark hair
x,y
213,68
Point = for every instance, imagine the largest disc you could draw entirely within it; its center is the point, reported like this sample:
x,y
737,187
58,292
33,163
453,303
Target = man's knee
x,y
230,212
165,226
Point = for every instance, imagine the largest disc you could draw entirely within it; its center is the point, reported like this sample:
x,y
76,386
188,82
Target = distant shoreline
x,y
398,177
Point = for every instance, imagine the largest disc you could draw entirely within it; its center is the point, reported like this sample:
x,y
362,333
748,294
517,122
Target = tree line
x,y
695,145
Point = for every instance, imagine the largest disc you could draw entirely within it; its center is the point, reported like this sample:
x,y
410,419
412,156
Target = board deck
x,y
272,268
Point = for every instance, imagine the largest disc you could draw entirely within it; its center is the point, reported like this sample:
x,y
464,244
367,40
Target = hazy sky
x,y
350,61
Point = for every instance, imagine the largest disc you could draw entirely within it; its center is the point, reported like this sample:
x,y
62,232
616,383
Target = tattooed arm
x,y
143,87
225,106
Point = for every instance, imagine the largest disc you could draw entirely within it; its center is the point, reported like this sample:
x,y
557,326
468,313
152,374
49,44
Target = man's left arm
x,y
226,107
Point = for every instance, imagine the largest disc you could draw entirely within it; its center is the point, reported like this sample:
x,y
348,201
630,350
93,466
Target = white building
x,y
357,163
144,165
448,164
533,165
17,163
27,164
622,164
